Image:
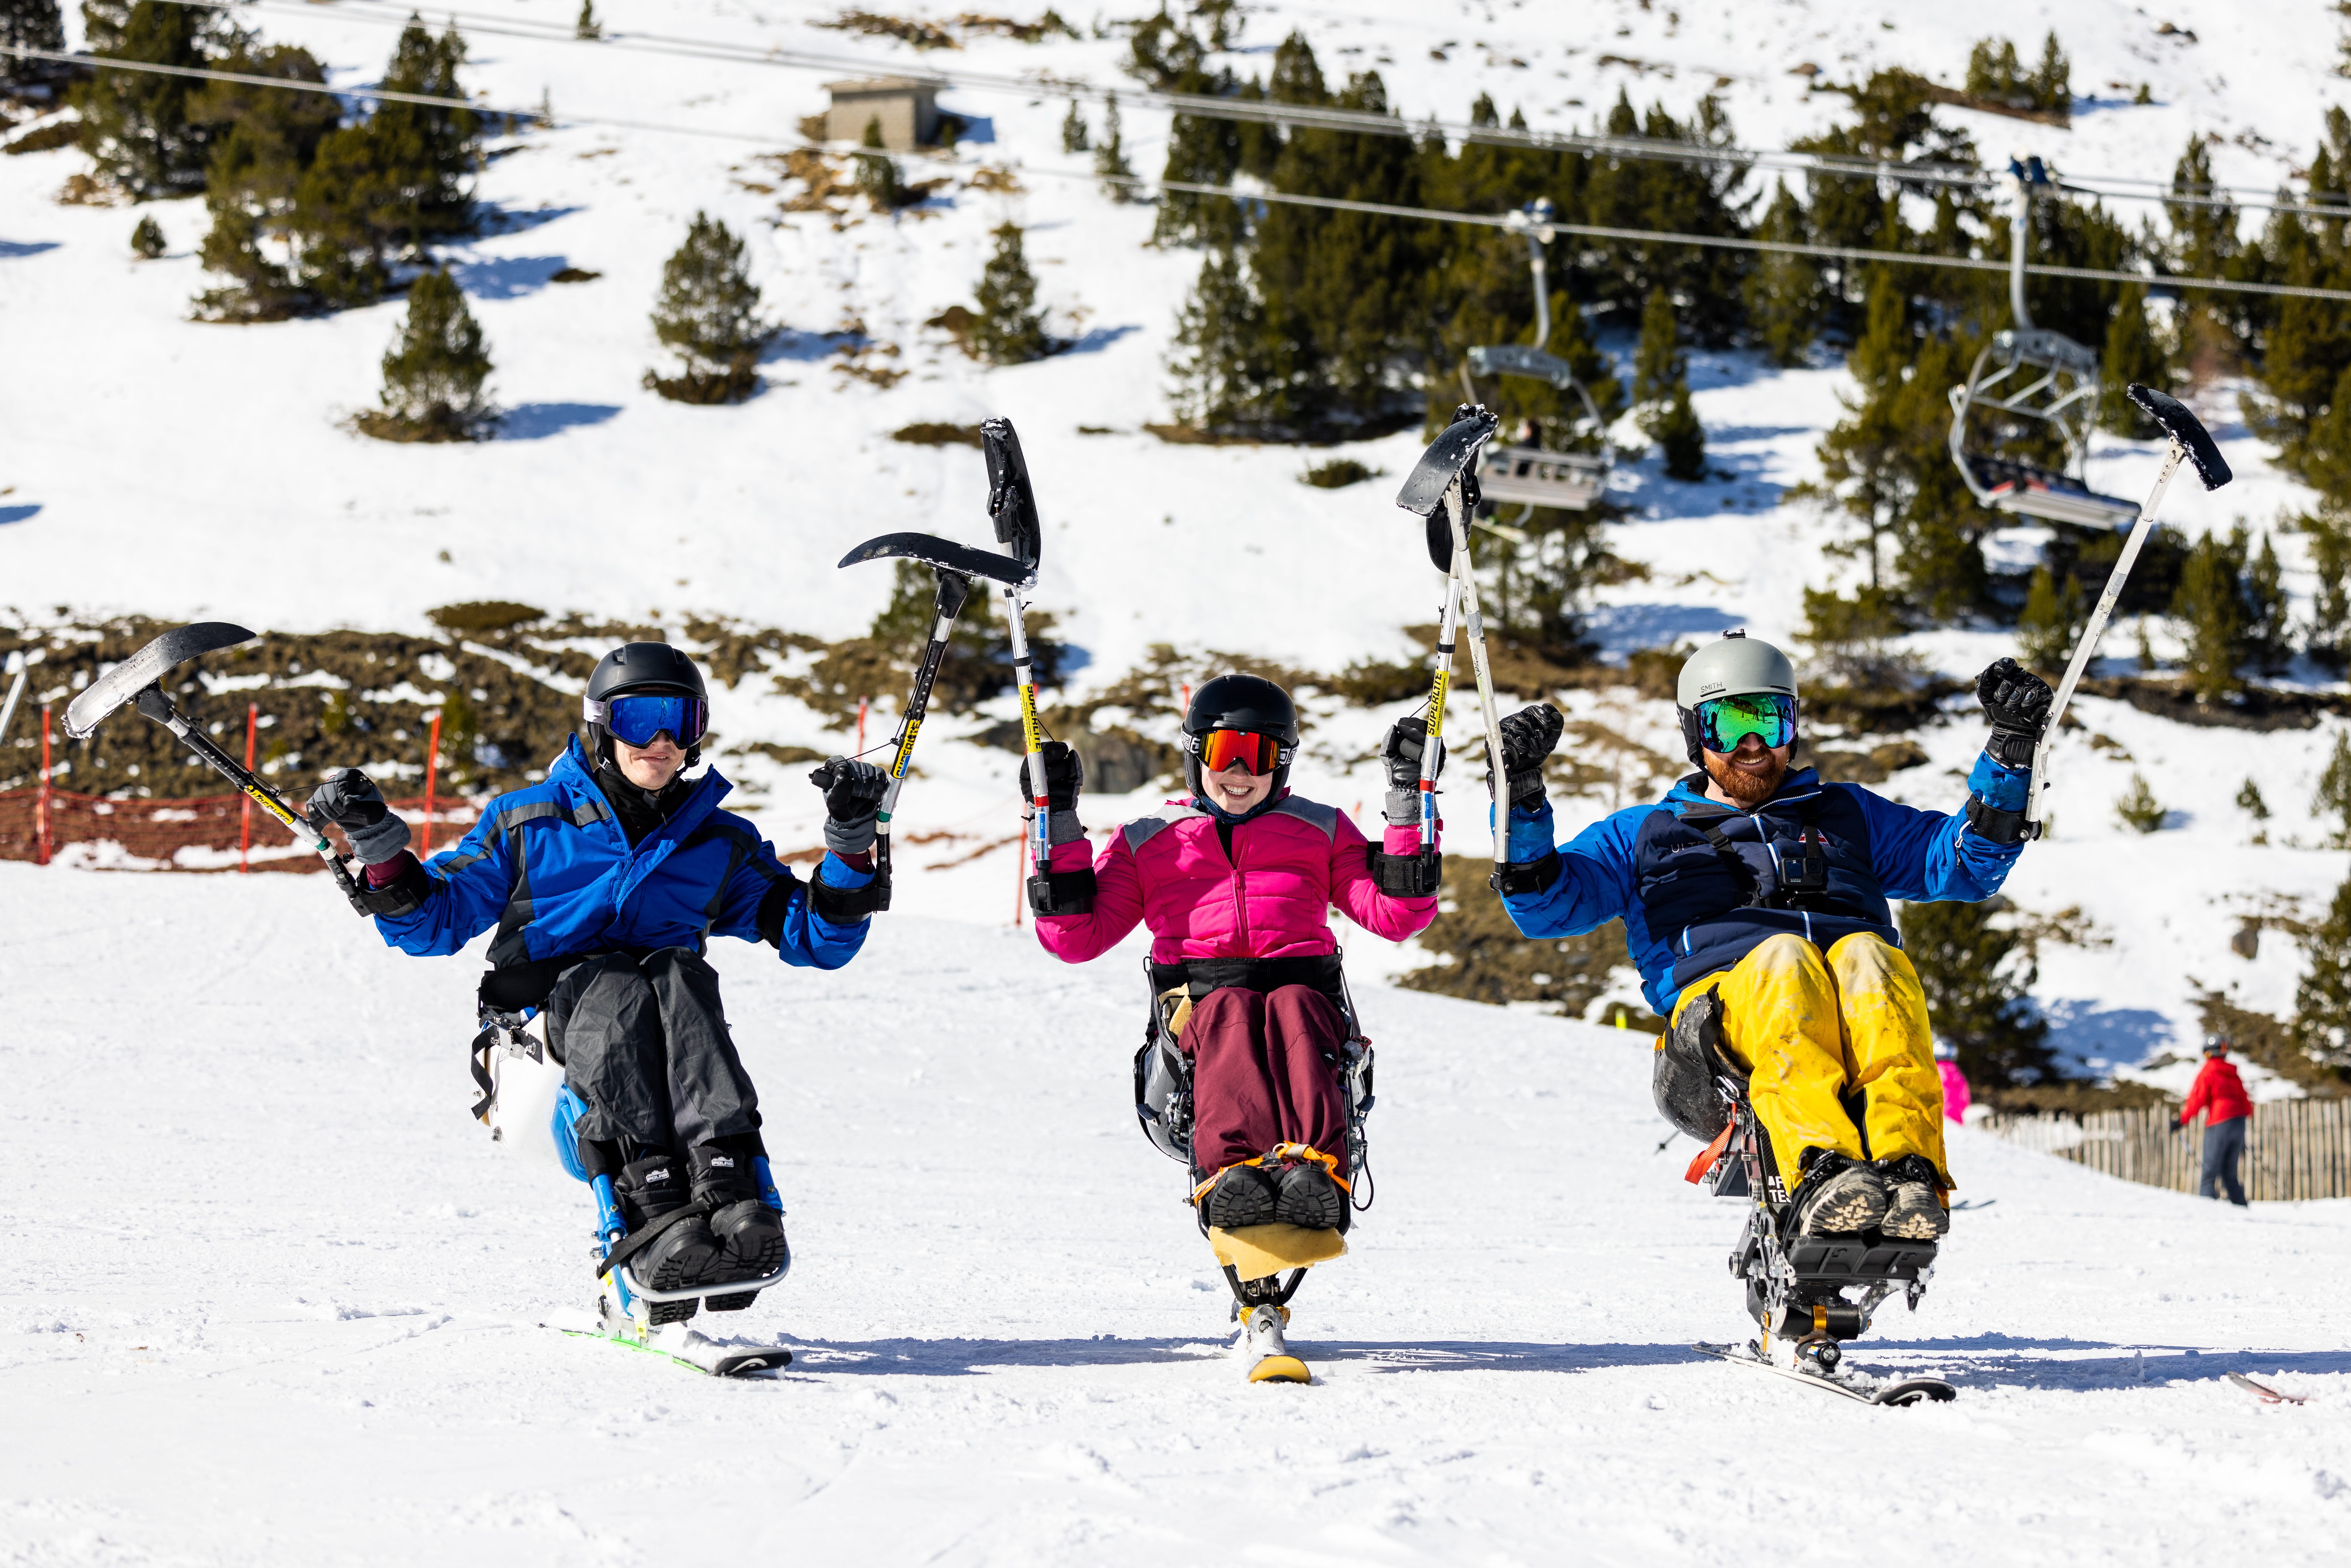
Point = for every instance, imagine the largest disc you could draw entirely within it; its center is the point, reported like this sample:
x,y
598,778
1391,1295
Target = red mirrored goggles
x,y
1220,750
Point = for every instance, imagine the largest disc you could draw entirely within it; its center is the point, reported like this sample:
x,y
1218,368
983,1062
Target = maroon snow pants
x,y
1263,1074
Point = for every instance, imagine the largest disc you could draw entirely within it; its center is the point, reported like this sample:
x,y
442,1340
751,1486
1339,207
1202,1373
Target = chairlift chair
x,y
2030,372
1528,475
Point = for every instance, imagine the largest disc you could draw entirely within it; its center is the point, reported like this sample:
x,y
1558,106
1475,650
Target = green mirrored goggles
x,y
1724,722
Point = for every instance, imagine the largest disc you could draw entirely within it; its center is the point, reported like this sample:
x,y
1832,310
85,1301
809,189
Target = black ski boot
x,y
1310,1197
750,1235
1914,1200
1238,1195
682,1255
1839,1195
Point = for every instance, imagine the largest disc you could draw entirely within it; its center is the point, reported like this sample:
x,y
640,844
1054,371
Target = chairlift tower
x,y
1572,481
2033,374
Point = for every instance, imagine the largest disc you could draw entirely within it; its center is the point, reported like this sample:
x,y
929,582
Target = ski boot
x,y
1914,1200
1308,1192
748,1233
1838,1198
683,1255
1236,1196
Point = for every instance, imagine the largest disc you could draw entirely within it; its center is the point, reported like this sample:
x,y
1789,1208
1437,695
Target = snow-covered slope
x,y
157,466
273,1298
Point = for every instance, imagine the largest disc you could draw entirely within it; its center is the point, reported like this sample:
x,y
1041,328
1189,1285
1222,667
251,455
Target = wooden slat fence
x,y
2293,1149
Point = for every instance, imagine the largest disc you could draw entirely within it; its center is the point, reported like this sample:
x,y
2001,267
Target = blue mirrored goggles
x,y
636,717
1724,722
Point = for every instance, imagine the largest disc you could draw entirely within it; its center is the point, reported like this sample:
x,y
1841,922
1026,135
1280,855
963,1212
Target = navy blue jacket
x,y
1691,909
553,871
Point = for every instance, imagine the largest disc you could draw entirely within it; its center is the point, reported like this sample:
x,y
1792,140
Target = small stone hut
x,y
906,109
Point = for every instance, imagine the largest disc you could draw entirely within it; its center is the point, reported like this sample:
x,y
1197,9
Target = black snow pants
x,y
644,1044
2224,1144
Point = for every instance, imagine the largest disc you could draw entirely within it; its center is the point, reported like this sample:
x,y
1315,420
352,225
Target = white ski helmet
x,y
1735,664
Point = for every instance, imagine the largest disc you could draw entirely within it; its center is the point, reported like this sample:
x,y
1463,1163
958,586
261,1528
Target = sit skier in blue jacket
x,y
605,884
1754,902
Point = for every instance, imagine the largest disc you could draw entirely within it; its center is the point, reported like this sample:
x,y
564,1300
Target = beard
x,y
1746,790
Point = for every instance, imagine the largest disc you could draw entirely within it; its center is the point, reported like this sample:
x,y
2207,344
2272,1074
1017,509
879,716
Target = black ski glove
x,y
853,798
351,800
1528,738
2017,702
1400,758
1065,776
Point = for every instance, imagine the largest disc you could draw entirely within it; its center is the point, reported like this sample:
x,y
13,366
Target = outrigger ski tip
x,y
144,668
1861,1387
676,1342
932,551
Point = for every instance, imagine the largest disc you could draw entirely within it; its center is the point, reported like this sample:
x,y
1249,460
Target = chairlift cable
x,y
1265,112
1275,198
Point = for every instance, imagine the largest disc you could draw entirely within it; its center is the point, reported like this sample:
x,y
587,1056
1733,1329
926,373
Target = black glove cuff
x,y
1416,875
1062,893
1526,786
404,895
848,906
2001,827
2011,748
1522,877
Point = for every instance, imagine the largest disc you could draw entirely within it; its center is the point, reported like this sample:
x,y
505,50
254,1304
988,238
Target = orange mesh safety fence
x,y
196,832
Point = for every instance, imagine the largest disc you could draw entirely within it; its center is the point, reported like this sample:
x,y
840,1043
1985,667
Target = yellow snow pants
x,y
1808,1026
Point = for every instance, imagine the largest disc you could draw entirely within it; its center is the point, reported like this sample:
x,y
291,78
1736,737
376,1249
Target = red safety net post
x,y
41,808
432,776
244,813
1187,697
861,727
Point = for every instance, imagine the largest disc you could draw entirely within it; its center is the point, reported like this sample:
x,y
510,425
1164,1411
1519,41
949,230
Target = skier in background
x,y
1956,1096
2220,1094
1754,899
1236,884
605,884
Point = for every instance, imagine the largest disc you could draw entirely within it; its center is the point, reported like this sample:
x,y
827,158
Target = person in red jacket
x,y
2221,1095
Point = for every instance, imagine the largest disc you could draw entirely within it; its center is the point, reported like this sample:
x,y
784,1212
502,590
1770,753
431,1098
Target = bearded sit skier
x,y
605,883
1235,884
1755,898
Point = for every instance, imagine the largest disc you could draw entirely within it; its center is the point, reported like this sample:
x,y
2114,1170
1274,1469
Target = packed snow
x,y
274,1298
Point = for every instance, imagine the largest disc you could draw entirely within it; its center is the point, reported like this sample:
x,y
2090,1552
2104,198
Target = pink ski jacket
x,y
1956,1098
1270,900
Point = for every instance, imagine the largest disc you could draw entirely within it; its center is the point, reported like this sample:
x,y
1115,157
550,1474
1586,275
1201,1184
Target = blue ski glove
x,y
1530,833
852,802
351,800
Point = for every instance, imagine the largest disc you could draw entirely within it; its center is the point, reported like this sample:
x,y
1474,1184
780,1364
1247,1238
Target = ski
x,y
1266,1352
1974,1203
2263,1392
678,1343
1860,1387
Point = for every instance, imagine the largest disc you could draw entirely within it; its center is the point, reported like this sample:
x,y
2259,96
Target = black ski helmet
x,y
640,667
1250,703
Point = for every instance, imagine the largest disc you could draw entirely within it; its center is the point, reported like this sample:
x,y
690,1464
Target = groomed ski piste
x,y
272,1297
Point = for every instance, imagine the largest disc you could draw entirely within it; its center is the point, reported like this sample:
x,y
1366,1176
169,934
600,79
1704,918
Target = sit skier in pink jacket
x,y
1236,884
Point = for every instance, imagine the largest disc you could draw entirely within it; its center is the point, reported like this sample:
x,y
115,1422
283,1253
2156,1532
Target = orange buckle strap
x,y
1304,1153
1708,1156
1201,1191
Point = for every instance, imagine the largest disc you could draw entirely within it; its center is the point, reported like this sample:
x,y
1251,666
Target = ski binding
x,y
1267,1353
679,1344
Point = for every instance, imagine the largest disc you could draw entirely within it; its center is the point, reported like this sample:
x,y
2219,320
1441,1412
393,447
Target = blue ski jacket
x,y
552,868
1699,885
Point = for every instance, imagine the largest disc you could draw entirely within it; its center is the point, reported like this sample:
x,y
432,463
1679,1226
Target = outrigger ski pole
x,y
2190,441
1442,489
1014,511
138,680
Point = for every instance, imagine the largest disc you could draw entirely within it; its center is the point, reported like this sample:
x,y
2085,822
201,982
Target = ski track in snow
x,y
273,1298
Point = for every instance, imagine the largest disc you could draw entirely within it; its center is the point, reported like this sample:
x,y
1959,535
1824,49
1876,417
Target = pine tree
x,y
2329,638
1658,360
2212,605
2269,635
1680,437
1977,976
588,27
1111,166
434,371
2053,616
268,138
1783,296
29,24
2132,356
2322,1002
2333,797
707,314
1074,129
2139,810
1010,330
147,240
134,124
877,173
1220,383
